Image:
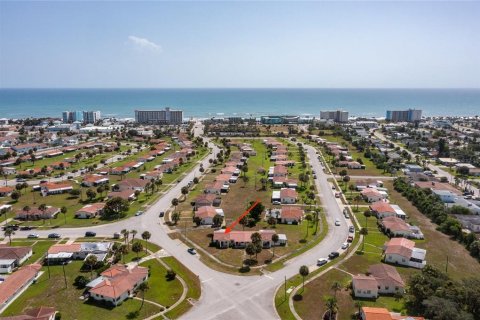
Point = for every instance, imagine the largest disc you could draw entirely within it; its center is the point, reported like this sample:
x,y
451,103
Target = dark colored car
x,y
90,234
333,255
191,251
350,239
26,228
161,214
54,236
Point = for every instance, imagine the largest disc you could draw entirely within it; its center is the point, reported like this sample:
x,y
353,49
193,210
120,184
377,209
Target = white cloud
x,y
144,43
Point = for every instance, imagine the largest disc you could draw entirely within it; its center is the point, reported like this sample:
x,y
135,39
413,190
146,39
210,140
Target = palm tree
x,y
175,217
91,261
357,200
143,287
123,251
363,232
134,233
8,233
146,236
359,305
303,271
64,211
336,286
274,240
367,214
43,208
332,306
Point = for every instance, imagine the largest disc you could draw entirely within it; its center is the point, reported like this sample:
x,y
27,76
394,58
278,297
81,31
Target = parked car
x,y
21,180
334,188
350,239
337,194
337,222
161,214
116,235
276,202
351,229
138,213
43,181
54,236
26,228
90,234
322,261
314,176
32,236
70,177
345,245
191,251
333,255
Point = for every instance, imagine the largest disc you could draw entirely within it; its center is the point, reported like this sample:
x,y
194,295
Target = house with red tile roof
x,y
13,257
381,279
403,252
16,282
50,188
36,214
371,313
60,165
396,227
123,169
207,213
117,283
131,184
288,196
239,239
5,191
206,200
40,313
382,209
280,171
94,180
373,195
90,211
291,215
128,195
215,187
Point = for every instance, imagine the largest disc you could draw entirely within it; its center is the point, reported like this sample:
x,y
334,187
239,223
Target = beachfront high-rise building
x,y
166,116
410,115
81,116
72,116
91,116
337,115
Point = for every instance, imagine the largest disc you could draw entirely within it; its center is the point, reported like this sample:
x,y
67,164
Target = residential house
x,y
59,253
446,196
470,222
239,239
124,194
6,191
288,196
40,313
16,282
123,169
134,184
370,313
382,209
9,170
60,165
355,165
37,214
149,175
94,180
373,195
117,283
13,257
50,188
214,188
291,215
203,200
403,252
380,279
396,227
280,171
90,211
207,213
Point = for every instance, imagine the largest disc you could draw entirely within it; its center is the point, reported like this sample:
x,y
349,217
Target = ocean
x,y
206,103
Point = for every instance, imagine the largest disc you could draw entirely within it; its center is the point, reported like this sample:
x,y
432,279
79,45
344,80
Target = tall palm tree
x,y
134,233
43,208
143,287
336,286
332,306
8,233
303,271
363,232
146,236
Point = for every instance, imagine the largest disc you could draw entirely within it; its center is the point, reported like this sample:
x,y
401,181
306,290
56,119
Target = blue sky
x,y
240,44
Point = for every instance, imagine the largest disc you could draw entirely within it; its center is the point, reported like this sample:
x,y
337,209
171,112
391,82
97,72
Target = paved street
x,y
226,296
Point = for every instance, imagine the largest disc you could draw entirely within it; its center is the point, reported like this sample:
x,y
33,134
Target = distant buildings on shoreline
x,y
166,116
81,116
336,115
410,115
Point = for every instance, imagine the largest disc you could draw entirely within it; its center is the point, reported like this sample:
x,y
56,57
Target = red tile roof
x,y
119,280
206,212
69,248
17,280
382,206
292,212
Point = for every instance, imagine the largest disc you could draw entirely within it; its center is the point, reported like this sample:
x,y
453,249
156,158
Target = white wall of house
x,y
365,293
395,258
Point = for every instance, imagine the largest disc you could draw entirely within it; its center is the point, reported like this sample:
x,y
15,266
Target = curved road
x,y
226,296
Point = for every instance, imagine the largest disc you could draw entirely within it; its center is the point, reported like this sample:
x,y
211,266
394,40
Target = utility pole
x,y
446,266
64,275
285,288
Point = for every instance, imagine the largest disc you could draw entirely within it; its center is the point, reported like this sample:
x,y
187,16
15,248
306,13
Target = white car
x,y
337,222
345,245
138,213
33,236
322,261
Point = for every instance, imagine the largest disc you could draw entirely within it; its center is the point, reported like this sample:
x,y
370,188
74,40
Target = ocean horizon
x,y
206,103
